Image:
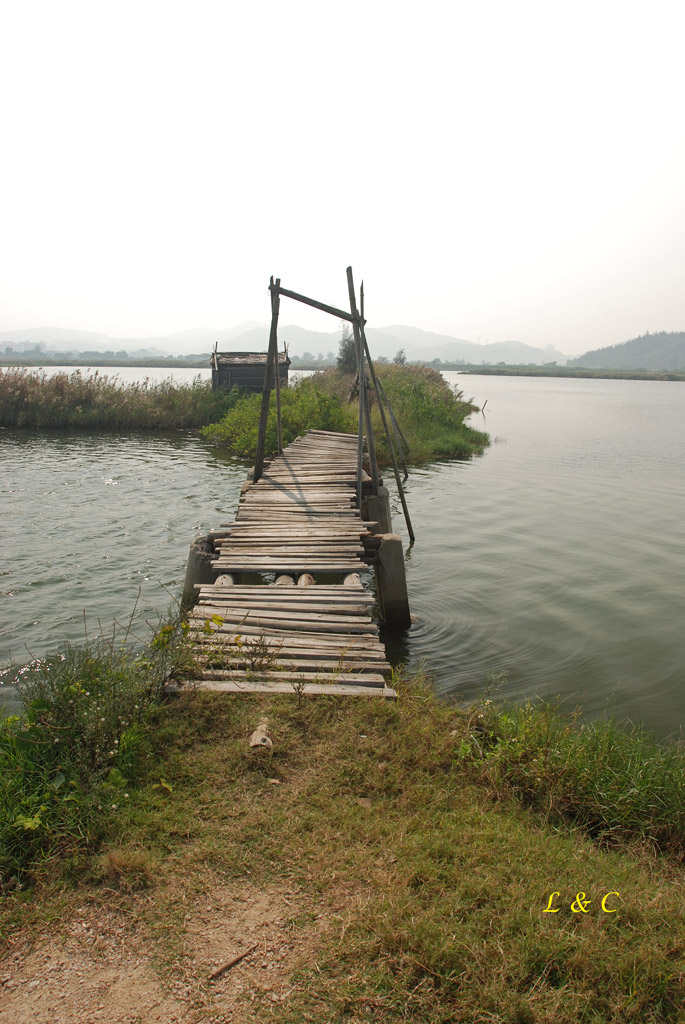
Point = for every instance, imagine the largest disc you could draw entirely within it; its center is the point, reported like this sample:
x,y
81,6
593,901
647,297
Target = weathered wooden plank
x,y
251,686
285,606
317,665
299,518
308,620
284,564
365,679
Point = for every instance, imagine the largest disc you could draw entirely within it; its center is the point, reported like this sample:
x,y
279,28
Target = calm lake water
x,y
555,562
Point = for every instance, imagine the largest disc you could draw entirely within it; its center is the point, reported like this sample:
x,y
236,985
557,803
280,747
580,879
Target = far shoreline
x,y
468,369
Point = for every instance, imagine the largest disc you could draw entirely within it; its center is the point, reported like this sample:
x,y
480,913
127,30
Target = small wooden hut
x,y
246,370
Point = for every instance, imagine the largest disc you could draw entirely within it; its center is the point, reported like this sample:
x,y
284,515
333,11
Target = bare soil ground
x,y
104,962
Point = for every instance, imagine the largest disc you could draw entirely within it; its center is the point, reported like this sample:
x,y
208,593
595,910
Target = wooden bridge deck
x,y
299,519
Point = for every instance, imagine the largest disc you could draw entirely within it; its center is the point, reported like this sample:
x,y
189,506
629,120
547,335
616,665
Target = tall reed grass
x,y
32,398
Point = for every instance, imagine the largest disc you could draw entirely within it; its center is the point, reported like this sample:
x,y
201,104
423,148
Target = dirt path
x,y
105,963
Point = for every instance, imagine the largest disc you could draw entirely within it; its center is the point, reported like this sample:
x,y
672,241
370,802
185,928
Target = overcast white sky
x,y
493,170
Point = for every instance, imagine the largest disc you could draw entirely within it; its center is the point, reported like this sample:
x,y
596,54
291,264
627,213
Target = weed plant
x,y
616,783
31,398
67,761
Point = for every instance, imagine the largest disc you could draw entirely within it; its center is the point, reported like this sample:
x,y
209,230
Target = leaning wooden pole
x,y
371,445
266,393
360,433
360,419
278,401
396,471
396,428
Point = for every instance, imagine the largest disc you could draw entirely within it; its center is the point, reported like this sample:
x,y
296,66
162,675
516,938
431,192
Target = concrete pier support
x,y
378,510
391,583
199,569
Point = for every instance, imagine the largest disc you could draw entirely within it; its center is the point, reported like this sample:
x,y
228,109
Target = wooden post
x,y
396,471
266,393
360,419
278,402
363,399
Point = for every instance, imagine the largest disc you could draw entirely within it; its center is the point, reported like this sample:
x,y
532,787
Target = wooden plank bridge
x,y
293,634
299,516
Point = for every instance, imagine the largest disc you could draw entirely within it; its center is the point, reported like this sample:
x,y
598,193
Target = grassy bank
x,y
430,413
384,861
31,398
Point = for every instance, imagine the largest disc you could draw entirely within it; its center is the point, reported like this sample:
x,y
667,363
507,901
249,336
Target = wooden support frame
x,y
400,489
356,318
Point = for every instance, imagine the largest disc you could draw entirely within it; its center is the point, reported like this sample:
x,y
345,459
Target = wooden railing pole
x,y
360,423
410,529
362,382
266,393
278,398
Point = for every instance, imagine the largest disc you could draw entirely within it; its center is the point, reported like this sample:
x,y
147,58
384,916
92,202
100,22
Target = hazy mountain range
x,y
386,341
661,351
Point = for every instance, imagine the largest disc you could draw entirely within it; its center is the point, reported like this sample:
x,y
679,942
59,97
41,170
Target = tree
x,y
347,351
400,358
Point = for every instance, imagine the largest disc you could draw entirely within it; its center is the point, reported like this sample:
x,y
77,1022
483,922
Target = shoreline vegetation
x,y
420,842
574,371
431,414
77,401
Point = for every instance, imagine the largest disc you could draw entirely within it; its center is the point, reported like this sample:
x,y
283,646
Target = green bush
x,y
430,413
303,407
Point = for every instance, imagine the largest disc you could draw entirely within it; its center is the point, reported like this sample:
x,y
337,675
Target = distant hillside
x,y
385,341
662,351
417,344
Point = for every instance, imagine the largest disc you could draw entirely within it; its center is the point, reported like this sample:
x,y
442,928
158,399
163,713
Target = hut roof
x,y
246,358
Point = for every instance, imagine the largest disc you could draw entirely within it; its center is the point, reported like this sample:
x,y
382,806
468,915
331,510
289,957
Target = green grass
x,y
30,398
422,875
617,783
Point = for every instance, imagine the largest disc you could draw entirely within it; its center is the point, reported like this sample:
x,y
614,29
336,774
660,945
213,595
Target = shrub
x,y
304,407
